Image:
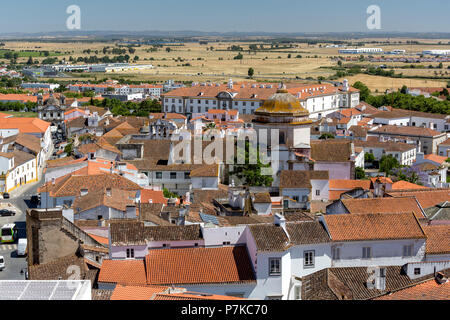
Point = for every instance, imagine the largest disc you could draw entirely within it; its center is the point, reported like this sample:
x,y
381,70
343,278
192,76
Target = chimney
x,y
419,157
378,281
440,278
280,221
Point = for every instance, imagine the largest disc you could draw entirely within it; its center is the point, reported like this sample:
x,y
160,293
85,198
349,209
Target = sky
x,y
33,16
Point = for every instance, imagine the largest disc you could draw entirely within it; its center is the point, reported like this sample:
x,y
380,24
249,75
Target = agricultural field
x,y
213,61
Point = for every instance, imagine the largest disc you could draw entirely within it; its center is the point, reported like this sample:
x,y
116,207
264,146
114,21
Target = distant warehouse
x,y
361,50
110,67
436,52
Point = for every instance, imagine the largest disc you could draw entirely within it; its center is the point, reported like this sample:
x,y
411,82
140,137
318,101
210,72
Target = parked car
x,y
6,195
2,263
4,213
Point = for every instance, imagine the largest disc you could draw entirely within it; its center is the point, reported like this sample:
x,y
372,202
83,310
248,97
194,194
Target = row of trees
x,y
117,107
402,100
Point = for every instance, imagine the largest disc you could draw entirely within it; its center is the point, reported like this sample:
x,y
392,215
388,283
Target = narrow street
x,y
20,201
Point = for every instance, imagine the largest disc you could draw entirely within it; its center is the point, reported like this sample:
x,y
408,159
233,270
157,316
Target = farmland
x,y
219,60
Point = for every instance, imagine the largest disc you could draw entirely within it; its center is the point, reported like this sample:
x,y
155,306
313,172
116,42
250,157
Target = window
x,y
67,203
367,252
417,271
295,198
130,253
317,192
226,243
274,267
407,251
336,253
308,259
186,176
159,175
173,175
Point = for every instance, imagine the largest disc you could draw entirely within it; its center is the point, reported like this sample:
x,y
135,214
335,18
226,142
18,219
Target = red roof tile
x,y
128,272
199,265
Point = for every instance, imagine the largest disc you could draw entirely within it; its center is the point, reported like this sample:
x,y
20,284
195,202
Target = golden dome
x,y
282,103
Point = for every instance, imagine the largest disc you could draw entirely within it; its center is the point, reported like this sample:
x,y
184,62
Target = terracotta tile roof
x,y
192,296
151,212
271,238
199,266
25,125
358,131
123,292
337,150
262,197
383,205
126,272
435,158
56,269
102,240
18,97
349,184
8,155
117,199
206,171
403,113
388,146
154,195
428,290
350,112
354,279
168,116
300,179
385,226
72,184
426,166
438,239
427,198
127,233
29,141
405,185
21,157
406,131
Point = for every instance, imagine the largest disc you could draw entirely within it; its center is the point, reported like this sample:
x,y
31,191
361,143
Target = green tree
x,y
168,194
326,136
360,173
364,90
250,174
369,157
404,89
251,72
387,163
69,149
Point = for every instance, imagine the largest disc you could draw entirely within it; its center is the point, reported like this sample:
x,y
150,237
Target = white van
x,y
2,263
22,247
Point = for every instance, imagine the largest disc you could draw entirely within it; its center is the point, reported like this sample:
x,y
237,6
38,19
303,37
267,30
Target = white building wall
x,y
323,186
384,253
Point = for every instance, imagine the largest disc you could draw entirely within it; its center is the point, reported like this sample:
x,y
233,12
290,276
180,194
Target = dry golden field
x,y
218,64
